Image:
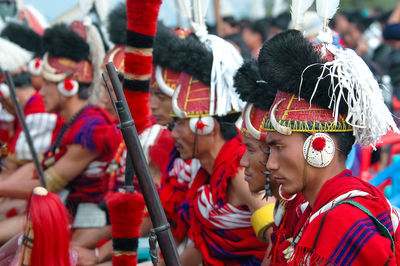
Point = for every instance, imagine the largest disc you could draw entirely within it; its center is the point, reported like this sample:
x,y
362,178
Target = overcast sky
x,y
51,8
238,8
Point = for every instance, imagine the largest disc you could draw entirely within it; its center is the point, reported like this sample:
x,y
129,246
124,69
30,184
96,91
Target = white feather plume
x,y
13,58
353,82
326,9
226,61
197,21
96,55
298,8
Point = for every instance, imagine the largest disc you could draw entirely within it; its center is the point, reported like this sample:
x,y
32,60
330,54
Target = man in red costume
x,y
155,137
43,126
155,101
327,98
218,204
280,217
85,146
30,40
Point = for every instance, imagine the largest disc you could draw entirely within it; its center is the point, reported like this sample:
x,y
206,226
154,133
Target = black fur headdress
x,y
23,36
169,50
60,41
288,60
116,26
251,88
187,55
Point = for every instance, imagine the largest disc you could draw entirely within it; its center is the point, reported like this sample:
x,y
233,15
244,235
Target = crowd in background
x,y
373,33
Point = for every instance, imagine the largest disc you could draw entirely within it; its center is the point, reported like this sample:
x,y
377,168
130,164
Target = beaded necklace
x,y
54,149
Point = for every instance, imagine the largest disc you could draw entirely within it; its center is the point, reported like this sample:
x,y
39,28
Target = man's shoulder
x,y
34,105
95,131
91,118
347,234
356,209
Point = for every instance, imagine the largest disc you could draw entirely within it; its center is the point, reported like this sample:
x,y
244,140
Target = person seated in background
x,y
229,26
254,34
26,37
76,164
43,126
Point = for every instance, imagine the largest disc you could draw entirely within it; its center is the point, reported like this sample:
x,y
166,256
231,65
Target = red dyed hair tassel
x,y
47,225
126,215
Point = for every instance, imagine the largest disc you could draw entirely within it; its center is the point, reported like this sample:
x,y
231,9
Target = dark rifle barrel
x,y
21,119
150,194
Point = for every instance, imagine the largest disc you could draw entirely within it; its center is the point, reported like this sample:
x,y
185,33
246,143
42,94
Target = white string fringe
x,y
226,62
367,113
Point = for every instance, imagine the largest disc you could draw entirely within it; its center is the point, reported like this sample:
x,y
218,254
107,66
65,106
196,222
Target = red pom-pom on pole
x,y
126,215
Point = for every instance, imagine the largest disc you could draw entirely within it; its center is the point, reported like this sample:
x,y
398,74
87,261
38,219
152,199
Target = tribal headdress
x,y
167,59
206,82
259,97
28,39
116,28
73,57
14,59
322,88
166,64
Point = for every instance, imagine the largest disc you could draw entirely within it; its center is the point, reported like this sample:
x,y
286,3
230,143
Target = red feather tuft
x,y
319,144
50,231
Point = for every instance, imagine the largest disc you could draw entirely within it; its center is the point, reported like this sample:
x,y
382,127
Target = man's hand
x,y
268,255
86,257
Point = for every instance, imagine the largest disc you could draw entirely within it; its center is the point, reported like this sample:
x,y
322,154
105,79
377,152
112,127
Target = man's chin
x,y
257,192
185,156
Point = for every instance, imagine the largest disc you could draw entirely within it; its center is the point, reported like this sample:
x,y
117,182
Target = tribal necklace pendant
x,y
288,252
50,161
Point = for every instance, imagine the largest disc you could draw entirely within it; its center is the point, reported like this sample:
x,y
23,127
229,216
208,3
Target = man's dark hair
x,y
230,20
345,141
281,21
260,26
238,40
22,80
84,90
227,125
